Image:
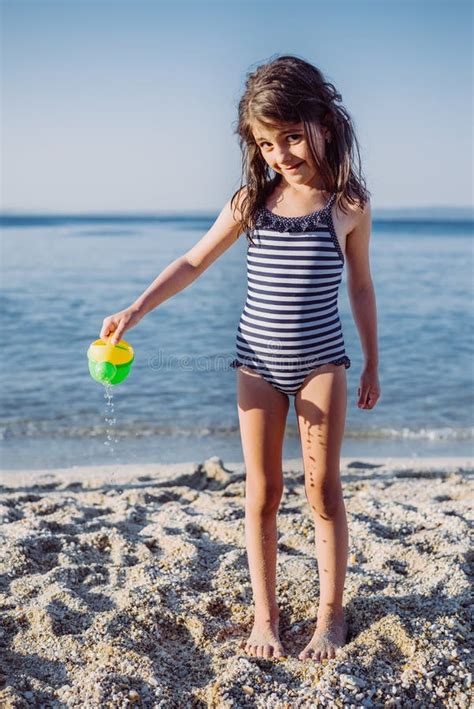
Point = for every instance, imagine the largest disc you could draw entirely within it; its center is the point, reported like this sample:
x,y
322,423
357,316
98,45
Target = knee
x,y
324,500
263,499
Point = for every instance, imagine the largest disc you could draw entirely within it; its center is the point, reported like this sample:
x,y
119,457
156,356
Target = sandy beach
x,y
129,585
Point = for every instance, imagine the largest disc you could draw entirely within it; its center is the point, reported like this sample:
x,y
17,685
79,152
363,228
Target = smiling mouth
x,y
293,166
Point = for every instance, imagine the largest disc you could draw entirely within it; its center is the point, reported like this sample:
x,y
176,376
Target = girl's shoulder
x,y
353,212
355,205
237,201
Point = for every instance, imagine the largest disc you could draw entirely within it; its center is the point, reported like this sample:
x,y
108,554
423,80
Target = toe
x,y
267,651
331,653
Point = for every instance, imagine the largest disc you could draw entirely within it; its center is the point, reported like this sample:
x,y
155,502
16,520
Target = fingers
x,y
111,330
114,326
362,397
106,331
367,399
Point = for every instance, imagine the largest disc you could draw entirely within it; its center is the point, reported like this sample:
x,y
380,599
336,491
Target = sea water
x,y
61,275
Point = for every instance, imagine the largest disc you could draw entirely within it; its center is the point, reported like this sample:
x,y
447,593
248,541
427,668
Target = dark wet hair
x,y
288,89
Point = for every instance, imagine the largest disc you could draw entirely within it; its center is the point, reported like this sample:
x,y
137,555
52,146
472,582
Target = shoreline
x,y
32,453
129,585
167,470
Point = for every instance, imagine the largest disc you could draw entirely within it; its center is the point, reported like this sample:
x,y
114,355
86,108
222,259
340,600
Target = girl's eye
x,y
295,135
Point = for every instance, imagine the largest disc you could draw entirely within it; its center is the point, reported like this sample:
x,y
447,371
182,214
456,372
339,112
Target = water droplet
x,y
110,419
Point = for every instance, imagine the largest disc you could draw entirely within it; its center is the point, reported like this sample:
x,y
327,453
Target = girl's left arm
x,y
364,309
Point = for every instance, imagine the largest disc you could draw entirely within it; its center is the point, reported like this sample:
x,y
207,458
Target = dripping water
x,y
110,420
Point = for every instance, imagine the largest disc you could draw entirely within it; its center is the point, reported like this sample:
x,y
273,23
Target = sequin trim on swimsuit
x,y
309,222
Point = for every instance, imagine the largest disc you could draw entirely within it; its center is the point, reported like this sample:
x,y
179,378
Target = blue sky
x,y
118,105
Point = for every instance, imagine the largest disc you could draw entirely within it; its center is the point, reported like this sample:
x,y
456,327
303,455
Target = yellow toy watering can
x,y
108,363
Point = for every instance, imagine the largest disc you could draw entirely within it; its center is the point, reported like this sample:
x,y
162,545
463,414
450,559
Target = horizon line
x,y
24,212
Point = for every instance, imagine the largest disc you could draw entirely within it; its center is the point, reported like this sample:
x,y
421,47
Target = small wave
x,y
426,434
65,428
53,429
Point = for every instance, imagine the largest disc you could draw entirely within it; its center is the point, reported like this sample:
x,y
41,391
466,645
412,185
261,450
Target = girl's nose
x,y
283,158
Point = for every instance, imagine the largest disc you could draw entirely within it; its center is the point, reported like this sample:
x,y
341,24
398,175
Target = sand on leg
x,y
262,413
320,406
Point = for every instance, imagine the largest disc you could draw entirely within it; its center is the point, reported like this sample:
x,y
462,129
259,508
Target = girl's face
x,y
286,150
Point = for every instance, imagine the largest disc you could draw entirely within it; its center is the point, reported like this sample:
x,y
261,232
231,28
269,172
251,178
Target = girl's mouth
x,y
293,167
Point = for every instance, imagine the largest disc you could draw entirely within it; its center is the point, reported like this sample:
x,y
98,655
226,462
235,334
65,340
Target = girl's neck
x,y
306,198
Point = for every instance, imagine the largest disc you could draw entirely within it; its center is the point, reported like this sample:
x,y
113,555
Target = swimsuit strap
x,y
331,200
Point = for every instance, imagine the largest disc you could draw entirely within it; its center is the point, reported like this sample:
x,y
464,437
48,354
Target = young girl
x,y
302,224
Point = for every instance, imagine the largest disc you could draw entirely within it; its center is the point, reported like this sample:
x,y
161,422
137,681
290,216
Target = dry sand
x,y
129,585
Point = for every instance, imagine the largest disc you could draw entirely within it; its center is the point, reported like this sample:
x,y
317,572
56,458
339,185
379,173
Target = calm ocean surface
x,y
62,275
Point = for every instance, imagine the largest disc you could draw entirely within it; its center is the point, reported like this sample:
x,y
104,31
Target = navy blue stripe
x,y
322,306
255,251
285,266
289,334
272,336
328,251
294,234
253,278
321,352
301,301
288,321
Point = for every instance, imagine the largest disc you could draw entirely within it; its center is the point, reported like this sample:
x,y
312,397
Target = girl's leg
x,y
321,406
262,417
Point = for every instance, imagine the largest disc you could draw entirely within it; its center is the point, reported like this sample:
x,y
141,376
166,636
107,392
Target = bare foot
x,y
330,634
264,640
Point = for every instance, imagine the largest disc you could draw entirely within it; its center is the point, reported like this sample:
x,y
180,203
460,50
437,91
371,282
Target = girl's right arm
x,y
179,274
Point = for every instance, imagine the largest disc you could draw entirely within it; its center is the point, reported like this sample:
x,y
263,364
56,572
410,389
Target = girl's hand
x,y
369,390
115,325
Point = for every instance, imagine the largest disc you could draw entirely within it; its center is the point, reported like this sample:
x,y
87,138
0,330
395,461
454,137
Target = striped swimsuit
x,y
290,322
